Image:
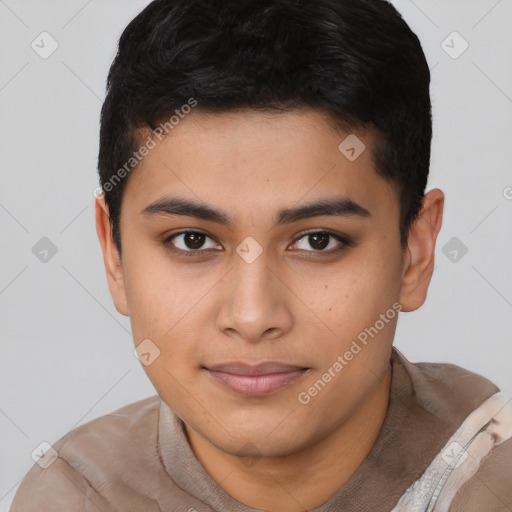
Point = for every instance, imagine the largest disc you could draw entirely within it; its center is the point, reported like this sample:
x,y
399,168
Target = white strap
x,y
486,427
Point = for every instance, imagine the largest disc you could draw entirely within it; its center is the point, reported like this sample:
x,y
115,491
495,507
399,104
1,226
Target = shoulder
x,y
90,458
490,489
57,488
451,393
446,391
126,435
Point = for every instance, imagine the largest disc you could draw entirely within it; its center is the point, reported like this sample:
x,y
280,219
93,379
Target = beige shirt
x,y
138,458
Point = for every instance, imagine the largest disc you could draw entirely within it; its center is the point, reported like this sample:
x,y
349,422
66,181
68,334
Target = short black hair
x,y
356,60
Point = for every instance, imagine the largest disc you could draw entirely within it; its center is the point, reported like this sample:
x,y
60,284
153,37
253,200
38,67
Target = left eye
x,y
320,241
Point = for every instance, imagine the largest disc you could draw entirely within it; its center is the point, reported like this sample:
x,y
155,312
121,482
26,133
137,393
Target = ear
x,y
420,251
111,259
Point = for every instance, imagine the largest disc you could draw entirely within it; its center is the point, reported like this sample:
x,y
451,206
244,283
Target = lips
x,y
256,380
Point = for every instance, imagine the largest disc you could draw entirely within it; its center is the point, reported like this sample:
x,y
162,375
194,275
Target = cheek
x,y
362,288
167,306
157,294
175,387
378,272
356,294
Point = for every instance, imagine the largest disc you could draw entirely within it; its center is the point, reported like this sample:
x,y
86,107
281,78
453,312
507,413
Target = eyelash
x,y
344,240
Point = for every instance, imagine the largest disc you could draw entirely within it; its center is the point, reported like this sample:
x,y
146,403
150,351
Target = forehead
x,y
257,159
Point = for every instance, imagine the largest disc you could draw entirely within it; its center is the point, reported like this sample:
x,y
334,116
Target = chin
x,y
257,441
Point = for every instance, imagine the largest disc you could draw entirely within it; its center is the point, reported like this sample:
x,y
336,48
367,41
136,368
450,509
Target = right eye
x,y
190,242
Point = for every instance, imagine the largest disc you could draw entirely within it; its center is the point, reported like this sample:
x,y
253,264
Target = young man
x,y
264,221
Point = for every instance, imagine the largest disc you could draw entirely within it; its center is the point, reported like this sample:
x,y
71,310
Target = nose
x,y
255,302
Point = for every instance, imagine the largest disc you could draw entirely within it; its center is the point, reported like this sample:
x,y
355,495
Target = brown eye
x,y
194,240
321,240
190,241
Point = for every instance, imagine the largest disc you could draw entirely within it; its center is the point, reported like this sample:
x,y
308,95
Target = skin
x,y
295,303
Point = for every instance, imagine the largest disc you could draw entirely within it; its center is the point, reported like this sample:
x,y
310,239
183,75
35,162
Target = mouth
x,y
256,380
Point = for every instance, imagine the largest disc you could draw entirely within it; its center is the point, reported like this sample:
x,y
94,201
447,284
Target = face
x,y
279,255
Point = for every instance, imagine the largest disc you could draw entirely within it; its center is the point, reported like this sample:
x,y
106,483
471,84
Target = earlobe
x,y
112,261
420,252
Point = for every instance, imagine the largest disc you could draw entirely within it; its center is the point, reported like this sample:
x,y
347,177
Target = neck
x,y
306,479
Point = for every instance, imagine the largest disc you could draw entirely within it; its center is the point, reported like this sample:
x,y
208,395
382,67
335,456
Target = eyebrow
x,y
335,207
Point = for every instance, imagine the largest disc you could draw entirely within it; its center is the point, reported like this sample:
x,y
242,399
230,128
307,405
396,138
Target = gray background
x,y
66,353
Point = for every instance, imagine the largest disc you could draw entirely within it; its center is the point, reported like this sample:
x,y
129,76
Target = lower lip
x,y
257,385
